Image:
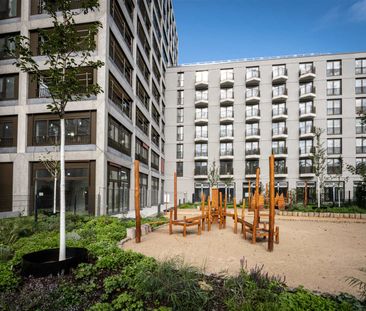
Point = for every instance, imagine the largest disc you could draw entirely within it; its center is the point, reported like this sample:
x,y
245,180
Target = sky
x,y
212,30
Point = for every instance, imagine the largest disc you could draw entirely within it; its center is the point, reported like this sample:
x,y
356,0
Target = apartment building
x,y
104,134
237,113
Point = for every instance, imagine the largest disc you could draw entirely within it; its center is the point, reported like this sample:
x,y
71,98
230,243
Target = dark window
x,y
144,13
360,66
155,93
334,87
142,94
8,131
334,107
226,168
121,23
6,45
306,166
360,86
143,38
9,87
37,6
143,190
118,189
334,126
360,105
10,8
142,151
155,137
200,150
251,166
155,160
334,146
119,96
360,126
334,68
334,166
155,115
119,137
200,168
154,191
156,71
156,49
142,122
142,66
130,7
179,169
360,145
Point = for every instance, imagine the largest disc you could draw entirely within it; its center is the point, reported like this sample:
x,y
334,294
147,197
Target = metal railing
x,y
279,112
252,113
304,71
200,171
307,90
252,132
279,150
306,170
306,110
279,131
256,151
252,93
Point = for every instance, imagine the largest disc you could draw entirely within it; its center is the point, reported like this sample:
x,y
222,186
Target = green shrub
x,y
126,302
101,306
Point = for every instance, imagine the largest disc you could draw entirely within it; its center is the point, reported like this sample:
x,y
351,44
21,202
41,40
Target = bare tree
x,y
213,175
53,167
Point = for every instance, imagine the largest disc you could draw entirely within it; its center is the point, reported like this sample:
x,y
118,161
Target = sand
x,y
316,253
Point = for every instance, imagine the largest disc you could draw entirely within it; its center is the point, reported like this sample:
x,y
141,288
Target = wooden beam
x,y
175,197
256,207
271,203
235,217
137,201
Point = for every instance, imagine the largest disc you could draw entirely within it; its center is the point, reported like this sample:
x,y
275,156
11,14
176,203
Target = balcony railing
x,y
201,136
226,133
252,93
201,154
307,110
199,98
307,130
226,170
306,170
6,142
279,92
55,140
306,150
304,71
201,115
227,97
253,113
252,74
280,170
253,132
226,152
226,114
279,112
307,90
198,171
250,152
279,72
279,150
279,131
360,90
118,146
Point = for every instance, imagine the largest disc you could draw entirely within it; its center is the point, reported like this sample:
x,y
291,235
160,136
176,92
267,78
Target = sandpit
x,y
316,253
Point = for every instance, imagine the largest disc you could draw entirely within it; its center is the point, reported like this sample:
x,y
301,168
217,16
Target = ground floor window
x,y
118,189
6,187
143,190
199,189
227,190
79,187
154,191
359,193
310,187
334,191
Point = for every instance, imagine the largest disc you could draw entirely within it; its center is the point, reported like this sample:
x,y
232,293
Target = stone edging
x,y
321,214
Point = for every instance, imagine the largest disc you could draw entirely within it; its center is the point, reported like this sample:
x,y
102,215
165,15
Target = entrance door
x,y
6,187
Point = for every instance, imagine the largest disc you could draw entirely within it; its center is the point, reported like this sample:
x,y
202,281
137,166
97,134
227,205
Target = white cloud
x,y
357,12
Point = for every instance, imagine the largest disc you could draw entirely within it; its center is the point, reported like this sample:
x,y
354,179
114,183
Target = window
x,y
279,147
144,69
226,112
6,44
280,167
8,131
119,137
9,87
180,133
334,146
279,70
180,115
226,74
279,109
162,146
334,87
155,93
305,68
306,146
120,59
180,79
334,107
226,149
155,115
279,90
200,168
334,68
360,66
179,169
226,130
201,95
179,151
252,148
252,72
360,105
201,113
306,166
145,14
360,86
201,76
155,160
143,190
359,162
360,145
155,137
180,96
360,126
252,129
306,88
226,168
37,6
201,150
142,122
252,92
306,127
201,131
279,128
121,23
334,166
141,151
227,93
44,129
156,71
143,38
119,96
306,108
10,9
118,198
251,167
142,94
334,126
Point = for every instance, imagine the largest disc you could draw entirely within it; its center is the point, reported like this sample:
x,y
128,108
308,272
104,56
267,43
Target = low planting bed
x,y
115,279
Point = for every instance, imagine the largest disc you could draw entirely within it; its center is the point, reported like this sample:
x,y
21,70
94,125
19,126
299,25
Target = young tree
x,y
66,55
213,175
319,162
53,167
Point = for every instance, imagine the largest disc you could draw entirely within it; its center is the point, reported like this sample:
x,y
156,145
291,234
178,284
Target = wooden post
x,y
256,207
306,194
267,199
137,201
209,215
170,222
175,196
249,195
225,203
243,219
271,203
203,212
235,217
220,210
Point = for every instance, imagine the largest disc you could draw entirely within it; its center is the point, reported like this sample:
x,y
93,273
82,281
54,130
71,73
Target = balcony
x,y
201,156
280,152
226,135
252,78
307,113
279,95
279,133
226,172
307,74
307,152
228,100
226,155
227,80
252,96
200,172
226,117
253,134
307,93
279,114
279,75
252,115
201,84
250,172
252,153
201,101
201,118
306,171
307,132
201,138
280,172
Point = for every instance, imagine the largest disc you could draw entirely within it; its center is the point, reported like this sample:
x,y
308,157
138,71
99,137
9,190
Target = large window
x,y
306,127
279,128
144,69
280,166
279,90
180,133
305,68
227,93
9,87
360,126
360,105
119,96
334,107
252,92
201,131
142,152
360,145
155,114
334,68
143,190
180,79
226,149
154,191
6,45
334,126
226,112
201,95
279,70
201,150
306,166
142,94
201,113
155,137
179,169
180,115
155,160
306,108
306,146
200,168
252,129
334,166
8,131
226,74
251,166
226,168
334,87
10,9
252,72
360,66
252,148
180,97
360,86
143,38
226,130
44,129
142,122
306,88
180,151
121,23
279,147
119,137
334,146
118,189
279,109
201,76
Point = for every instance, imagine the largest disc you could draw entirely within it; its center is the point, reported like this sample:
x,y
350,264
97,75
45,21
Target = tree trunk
x,y
318,191
62,193
54,194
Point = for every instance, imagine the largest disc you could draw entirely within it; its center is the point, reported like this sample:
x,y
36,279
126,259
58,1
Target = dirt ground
x,y
316,253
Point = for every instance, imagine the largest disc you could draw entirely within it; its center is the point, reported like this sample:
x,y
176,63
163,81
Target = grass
x,y
115,279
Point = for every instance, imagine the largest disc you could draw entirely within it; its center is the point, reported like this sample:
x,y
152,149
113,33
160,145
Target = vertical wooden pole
x,y
175,196
249,195
271,203
235,217
209,215
137,201
243,217
267,198
203,212
225,206
220,210
256,207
